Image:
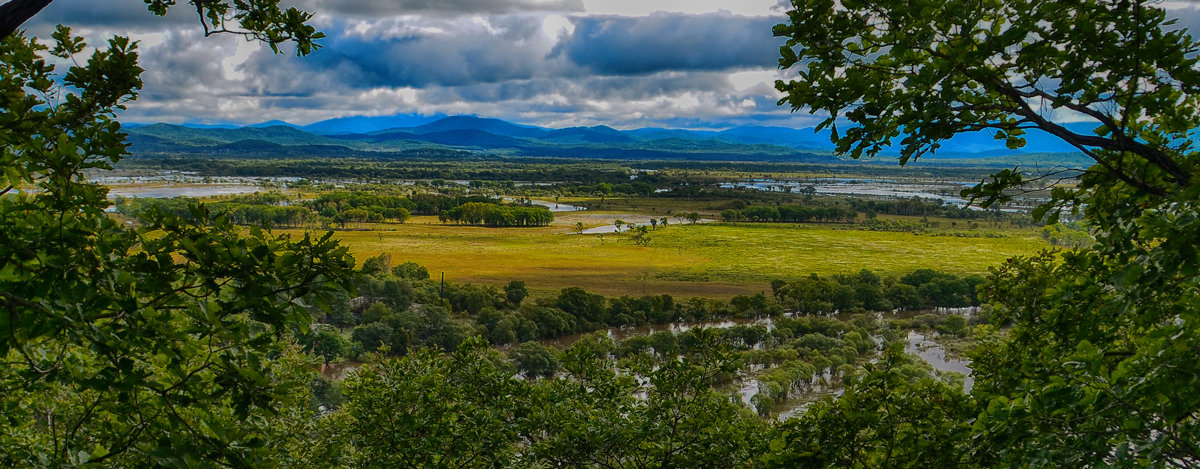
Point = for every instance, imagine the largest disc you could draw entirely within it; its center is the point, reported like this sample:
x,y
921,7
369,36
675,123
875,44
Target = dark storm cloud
x,y
425,53
716,41
617,89
399,54
117,16
377,8
529,64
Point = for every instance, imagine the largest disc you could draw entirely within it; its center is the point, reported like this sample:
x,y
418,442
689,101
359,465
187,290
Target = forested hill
x,y
455,134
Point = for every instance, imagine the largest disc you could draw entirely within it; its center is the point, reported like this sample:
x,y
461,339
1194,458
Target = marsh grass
x,y
715,260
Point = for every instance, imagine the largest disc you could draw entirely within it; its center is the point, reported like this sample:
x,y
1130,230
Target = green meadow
x,y
716,260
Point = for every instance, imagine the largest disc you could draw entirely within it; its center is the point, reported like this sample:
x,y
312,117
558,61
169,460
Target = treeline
x,y
496,215
243,210
400,307
447,165
348,207
847,210
789,214
867,291
375,206
916,206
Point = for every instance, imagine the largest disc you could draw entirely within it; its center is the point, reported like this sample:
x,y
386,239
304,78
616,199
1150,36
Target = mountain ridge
x,y
503,137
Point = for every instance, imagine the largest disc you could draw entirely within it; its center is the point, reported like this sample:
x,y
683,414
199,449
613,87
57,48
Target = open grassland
x,y
710,260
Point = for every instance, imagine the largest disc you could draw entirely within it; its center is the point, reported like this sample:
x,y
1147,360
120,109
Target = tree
x,y
377,266
430,409
534,360
641,236
639,414
578,227
133,346
932,69
514,292
411,270
1099,355
326,343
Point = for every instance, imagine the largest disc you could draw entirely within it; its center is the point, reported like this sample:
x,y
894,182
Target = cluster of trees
x,y
917,206
463,409
422,164
647,400
156,345
1070,235
636,188
496,215
790,214
400,308
1097,358
867,291
252,210
342,208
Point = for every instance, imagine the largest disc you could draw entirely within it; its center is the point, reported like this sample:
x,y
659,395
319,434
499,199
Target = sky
x,y
700,64
694,64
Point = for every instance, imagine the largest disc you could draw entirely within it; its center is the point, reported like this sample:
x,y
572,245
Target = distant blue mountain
x,y
489,125
363,124
471,138
272,123
597,134
658,133
362,134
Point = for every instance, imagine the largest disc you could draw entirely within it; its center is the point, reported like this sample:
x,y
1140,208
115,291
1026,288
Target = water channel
x,y
747,387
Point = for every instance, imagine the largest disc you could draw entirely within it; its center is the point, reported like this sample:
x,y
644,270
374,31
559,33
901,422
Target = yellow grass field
x,y
709,260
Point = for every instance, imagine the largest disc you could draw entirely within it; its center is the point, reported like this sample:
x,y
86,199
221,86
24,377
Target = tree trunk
x,y
16,12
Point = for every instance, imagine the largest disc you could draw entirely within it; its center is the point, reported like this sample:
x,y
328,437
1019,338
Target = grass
x,y
708,260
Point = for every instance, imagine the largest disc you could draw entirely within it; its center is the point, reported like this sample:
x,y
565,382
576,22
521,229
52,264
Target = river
x,y
915,343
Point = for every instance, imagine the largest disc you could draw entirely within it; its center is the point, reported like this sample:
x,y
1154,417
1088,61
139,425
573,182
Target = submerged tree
x,y
134,346
1097,366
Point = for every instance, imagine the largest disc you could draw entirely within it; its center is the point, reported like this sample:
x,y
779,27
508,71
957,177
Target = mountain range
x,y
411,133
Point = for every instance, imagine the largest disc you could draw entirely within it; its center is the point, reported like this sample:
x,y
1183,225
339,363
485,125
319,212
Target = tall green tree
x,y
1098,365
133,346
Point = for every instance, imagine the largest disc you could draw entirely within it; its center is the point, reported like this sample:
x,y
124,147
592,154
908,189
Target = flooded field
x,y
164,191
947,192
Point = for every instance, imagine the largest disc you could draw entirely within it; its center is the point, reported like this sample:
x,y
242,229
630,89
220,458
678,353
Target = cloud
x,y
647,7
112,17
378,8
716,41
421,52
532,61
426,52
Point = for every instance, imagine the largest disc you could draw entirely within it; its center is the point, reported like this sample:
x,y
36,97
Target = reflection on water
x,y
557,207
935,355
187,190
747,387
622,333
553,206
338,371
613,228
946,192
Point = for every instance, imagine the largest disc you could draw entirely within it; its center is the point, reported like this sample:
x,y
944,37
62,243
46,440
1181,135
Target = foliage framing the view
x,y
133,346
1097,365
